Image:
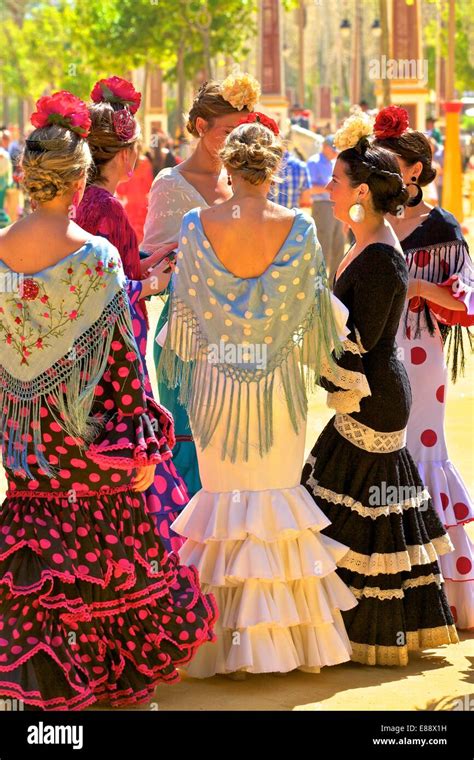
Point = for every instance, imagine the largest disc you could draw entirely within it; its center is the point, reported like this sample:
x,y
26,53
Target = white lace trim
x,y
374,512
375,592
391,562
368,439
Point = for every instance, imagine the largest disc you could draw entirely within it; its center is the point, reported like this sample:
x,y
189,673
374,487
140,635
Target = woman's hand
x,y
158,253
158,279
144,477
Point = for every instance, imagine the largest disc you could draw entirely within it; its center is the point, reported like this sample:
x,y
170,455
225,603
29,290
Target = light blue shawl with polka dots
x,y
246,328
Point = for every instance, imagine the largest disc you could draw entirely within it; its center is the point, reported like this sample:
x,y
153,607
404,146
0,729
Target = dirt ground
x,y
438,679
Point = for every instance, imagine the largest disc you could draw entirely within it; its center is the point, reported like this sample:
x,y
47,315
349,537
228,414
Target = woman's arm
x,y
158,278
432,292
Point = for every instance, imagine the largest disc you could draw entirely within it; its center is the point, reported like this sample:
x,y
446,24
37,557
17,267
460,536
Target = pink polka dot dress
x,y
92,606
437,252
102,214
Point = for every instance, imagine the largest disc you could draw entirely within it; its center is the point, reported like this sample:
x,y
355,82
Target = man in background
x,y
295,189
330,230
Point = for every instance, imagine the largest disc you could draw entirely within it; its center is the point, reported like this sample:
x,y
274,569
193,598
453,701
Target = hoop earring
x,y
416,199
357,212
229,179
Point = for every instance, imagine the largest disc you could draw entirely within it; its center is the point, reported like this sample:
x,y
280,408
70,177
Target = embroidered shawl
x,y
56,327
247,329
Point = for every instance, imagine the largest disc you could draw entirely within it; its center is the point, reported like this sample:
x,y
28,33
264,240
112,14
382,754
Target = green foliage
x,y
69,44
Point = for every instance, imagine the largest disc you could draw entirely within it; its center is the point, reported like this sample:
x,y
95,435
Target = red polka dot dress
x,y
101,214
92,607
437,252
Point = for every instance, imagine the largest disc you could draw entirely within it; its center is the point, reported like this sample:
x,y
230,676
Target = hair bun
x,y
254,152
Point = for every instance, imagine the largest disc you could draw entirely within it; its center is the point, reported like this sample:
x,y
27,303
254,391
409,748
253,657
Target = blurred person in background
x,y
329,229
294,190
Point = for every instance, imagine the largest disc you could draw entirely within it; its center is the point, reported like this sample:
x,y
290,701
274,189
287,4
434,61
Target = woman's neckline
x,y
296,216
369,245
195,190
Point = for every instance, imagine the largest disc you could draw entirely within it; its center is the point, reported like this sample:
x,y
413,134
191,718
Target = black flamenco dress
x,y
362,476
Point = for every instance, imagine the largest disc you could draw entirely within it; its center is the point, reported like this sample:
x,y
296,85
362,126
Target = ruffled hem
x,y
92,606
459,565
448,492
425,638
274,578
461,601
138,440
392,565
270,535
271,648
265,515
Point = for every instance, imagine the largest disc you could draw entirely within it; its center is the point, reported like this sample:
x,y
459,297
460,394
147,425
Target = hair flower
x,y
391,121
62,108
116,90
241,91
354,128
260,118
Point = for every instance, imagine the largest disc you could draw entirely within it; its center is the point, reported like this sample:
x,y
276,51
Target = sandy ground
x,y
435,680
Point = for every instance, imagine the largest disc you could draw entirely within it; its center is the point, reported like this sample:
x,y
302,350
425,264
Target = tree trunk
x,y
385,49
181,88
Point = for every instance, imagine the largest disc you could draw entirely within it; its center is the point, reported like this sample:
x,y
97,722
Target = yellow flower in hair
x,y
356,126
241,91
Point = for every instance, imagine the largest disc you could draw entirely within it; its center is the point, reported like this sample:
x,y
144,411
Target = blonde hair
x,y
254,152
103,140
53,159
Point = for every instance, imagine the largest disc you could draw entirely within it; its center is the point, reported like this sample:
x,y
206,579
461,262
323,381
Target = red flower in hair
x,y
62,108
260,118
391,121
116,90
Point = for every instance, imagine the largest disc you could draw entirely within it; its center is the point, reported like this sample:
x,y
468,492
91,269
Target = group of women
x,y
138,537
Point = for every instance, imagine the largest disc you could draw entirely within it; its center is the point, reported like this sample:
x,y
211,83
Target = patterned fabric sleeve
x,y
137,431
168,202
114,225
461,285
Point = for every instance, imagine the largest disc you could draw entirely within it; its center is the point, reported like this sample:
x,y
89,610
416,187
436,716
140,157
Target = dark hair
x,y
209,104
377,168
103,140
412,146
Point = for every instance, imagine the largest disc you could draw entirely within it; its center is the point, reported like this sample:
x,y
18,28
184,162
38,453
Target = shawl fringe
x,y
66,390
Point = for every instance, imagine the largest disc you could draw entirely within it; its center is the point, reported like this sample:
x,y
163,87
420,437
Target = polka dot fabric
x,y
101,214
424,361
92,605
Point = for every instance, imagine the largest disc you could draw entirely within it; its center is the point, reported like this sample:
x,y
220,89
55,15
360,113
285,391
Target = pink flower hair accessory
x,y
62,108
116,90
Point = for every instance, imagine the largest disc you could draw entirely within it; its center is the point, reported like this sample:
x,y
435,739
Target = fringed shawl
x,y
247,329
436,251
56,328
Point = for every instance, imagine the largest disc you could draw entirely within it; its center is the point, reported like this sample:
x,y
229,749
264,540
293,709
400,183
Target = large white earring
x,y
357,212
